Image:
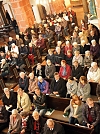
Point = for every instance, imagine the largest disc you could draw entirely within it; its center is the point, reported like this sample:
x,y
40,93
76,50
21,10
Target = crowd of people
x,y
69,69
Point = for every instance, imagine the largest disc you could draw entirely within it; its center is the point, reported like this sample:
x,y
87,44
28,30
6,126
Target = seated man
x,y
40,43
93,73
39,100
91,115
57,86
43,85
4,68
23,82
23,101
49,69
37,123
52,127
77,71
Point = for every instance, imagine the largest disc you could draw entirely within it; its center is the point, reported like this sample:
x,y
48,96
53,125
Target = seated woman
x,y
4,68
15,123
71,87
65,70
43,85
75,107
39,71
33,83
83,88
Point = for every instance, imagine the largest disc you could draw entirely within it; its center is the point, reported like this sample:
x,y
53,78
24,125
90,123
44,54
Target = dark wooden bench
x,y
59,104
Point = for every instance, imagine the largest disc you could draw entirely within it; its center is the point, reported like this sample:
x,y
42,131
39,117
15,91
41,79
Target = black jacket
x,y
58,86
24,84
58,129
77,72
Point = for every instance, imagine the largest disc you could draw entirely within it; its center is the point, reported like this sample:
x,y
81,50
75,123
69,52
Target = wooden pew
x,y
59,104
2,86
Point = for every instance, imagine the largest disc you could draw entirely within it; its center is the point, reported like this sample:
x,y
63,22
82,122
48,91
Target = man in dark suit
x,y
37,123
77,71
52,127
57,86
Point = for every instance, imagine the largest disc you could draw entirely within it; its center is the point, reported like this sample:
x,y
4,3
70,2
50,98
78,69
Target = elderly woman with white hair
x,y
84,47
94,49
43,85
93,73
4,68
15,123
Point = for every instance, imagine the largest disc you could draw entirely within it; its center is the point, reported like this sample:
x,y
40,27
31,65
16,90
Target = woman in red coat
x,y
65,70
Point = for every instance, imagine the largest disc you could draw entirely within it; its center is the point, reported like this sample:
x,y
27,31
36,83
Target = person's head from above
x,y
37,91
10,38
25,37
50,123
75,45
40,36
67,43
22,75
31,76
94,65
90,102
6,91
93,42
76,53
70,79
39,66
70,9
17,36
24,114
22,45
87,53
14,113
83,43
15,55
80,34
20,92
2,53
58,50
75,34
49,62
3,61
75,100
69,53
75,63
63,63
92,33
76,28
50,52
30,44
56,76
83,80
8,52
35,115
13,45
40,79
50,24
59,43
32,31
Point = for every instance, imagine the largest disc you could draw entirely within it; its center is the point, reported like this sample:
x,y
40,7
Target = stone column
x,y
97,3
23,13
85,6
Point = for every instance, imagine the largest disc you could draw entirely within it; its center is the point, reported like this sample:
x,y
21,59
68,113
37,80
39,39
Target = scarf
x,y
64,73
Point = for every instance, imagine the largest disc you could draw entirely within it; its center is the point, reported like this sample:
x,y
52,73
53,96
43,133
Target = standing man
x,y
91,115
